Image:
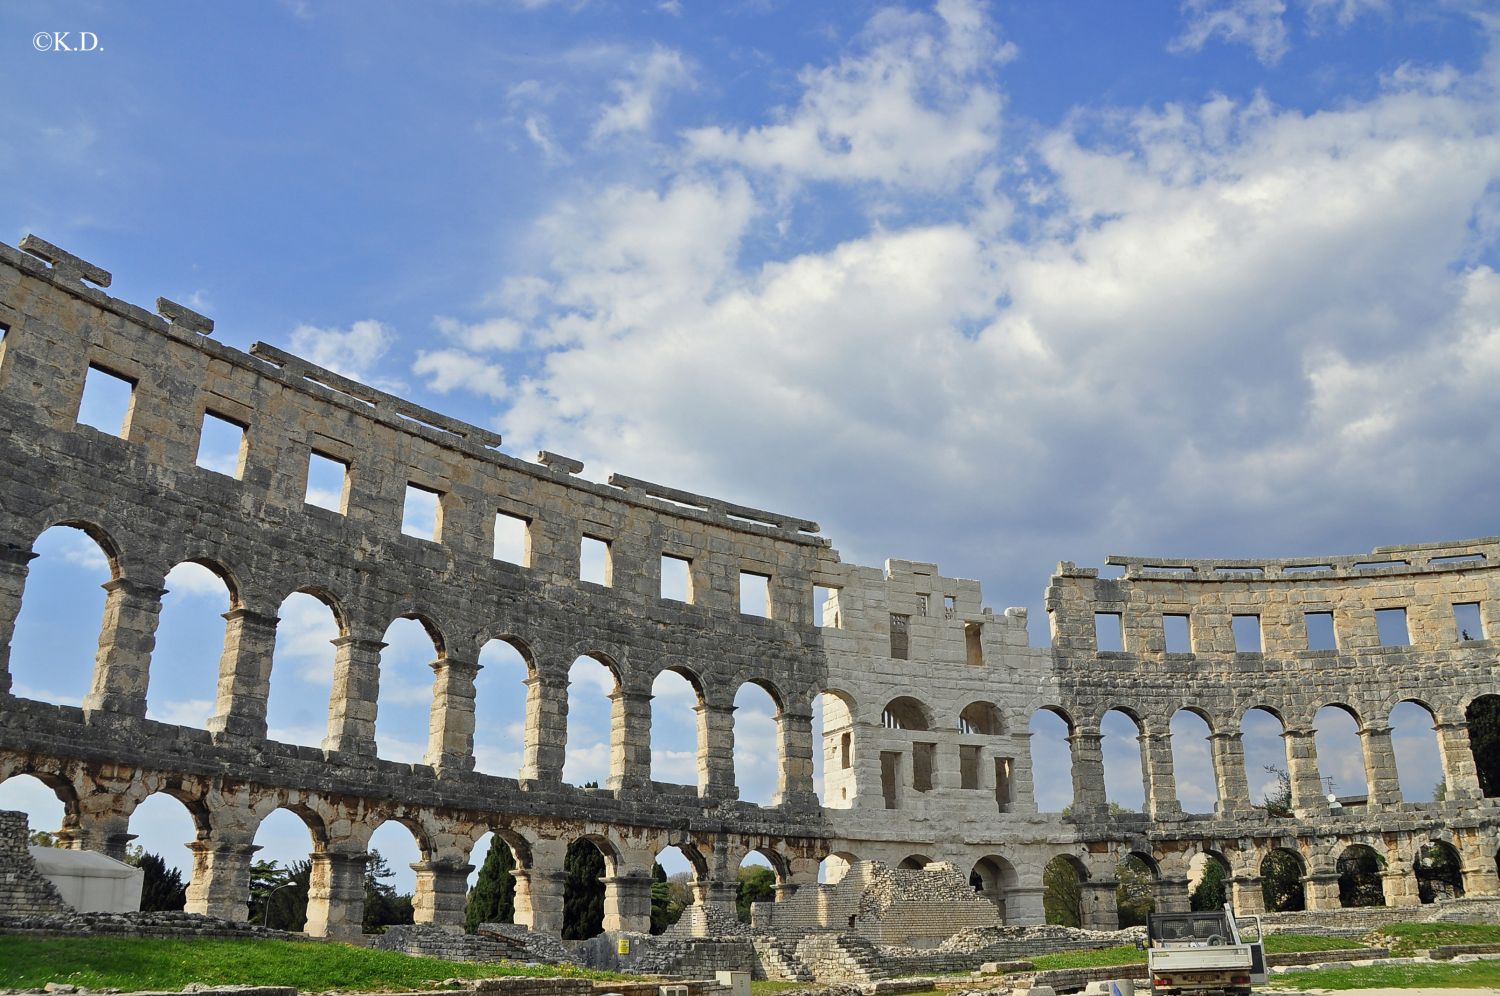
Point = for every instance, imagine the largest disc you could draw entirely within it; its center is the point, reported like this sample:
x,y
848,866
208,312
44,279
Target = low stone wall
x,y
1445,952
24,891
164,925
1485,910
665,955
1286,958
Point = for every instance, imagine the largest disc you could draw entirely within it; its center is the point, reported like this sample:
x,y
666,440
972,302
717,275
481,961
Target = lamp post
x,y
265,915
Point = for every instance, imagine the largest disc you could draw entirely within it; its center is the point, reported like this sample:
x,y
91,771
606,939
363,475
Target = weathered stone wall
x,y
24,891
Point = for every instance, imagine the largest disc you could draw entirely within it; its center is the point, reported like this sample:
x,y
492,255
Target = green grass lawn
x,y
1407,938
768,987
141,963
1129,955
1289,943
1474,975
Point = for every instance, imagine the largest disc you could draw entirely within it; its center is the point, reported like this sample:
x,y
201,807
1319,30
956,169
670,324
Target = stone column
x,y
1320,890
336,895
1248,894
794,786
1380,767
450,728
1171,895
716,753
1229,771
546,730
629,739
356,691
122,668
627,902
1399,883
1101,910
244,675
712,894
1479,871
1023,906
221,879
1161,779
539,900
1458,761
1088,772
1308,798
13,570
107,833
442,893
1022,787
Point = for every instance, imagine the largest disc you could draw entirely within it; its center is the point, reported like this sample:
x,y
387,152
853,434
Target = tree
x,y
162,888
1211,893
493,898
1134,896
383,907
583,891
1278,801
285,889
1062,895
757,884
1281,882
1439,875
1483,716
43,838
1359,878
665,908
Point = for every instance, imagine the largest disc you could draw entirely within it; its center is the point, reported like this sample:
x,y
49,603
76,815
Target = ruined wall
x,y
24,891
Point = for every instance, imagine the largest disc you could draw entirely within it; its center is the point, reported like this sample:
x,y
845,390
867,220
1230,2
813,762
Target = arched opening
x,y
1062,890
1439,872
1124,774
46,807
673,877
390,880
1281,873
403,712
492,883
1051,760
994,877
189,641
584,868
1262,732
1483,718
762,878
593,692
1193,762
302,670
56,636
982,718
1360,884
163,828
757,743
833,766
1341,754
1419,765
1135,896
675,734
1208,881
905,713
914,862
832,869
500,693
282,870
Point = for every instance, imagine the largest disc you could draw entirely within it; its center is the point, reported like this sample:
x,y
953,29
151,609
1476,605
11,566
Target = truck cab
x,y
1203,954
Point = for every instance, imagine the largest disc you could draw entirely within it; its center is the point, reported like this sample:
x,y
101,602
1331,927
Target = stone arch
x,y
834,711
312,632
1360,869
1196,780
587,896
403,706
759,767
505,694
93,526
837,864
1415,751
914,862
1340,749
189,629
1262,732
1210,875
287,908
1051,745
993,877
1282,873
906,712
23,795
1439,870
593,729
1139,886
981,718
1482,716
679,722
1063,881
1125,779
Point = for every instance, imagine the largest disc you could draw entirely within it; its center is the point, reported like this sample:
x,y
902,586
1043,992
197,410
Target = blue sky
x,y
993,285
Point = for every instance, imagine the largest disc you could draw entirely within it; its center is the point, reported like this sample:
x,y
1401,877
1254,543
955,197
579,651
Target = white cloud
x,y
498,334
637,94
353,352
188,712
449,370
196,581
1256,23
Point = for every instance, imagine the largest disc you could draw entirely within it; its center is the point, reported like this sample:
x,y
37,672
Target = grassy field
x,y
131,963
1474,975
1407,938
1129,955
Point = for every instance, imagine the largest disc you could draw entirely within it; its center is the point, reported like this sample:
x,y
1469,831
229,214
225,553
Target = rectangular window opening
x,y
512,539
923,758
845,742
1391,625
421,516
922,605
1459,558
1320,632
221,446
974,644
594,561
327,482
107,401
755,594
1246,634
825,607
950,606
900,636
1468,622
1177,632
968,767
676,578
1379,565
1003,767
1109,631
890,773
1308,569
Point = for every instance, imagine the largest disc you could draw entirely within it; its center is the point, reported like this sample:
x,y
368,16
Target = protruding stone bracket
x,y
184,317
559,463
681,497
65,264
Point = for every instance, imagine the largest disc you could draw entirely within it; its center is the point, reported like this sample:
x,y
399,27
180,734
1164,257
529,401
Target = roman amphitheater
x,y
926,750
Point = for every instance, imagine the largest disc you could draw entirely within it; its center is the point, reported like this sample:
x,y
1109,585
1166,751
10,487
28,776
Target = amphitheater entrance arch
x,y
1483,718
1051,732
832,869
1281,877
914,862
1139,879
1439,872
588,890
677,873
833,765
283,894
1360,869
51,662
994,877
49,802
1062,890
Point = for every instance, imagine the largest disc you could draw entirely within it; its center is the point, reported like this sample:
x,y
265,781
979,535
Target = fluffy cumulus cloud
x,y
1261,25
353,351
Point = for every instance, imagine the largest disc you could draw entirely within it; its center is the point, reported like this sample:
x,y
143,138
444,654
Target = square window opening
x,y
1320,632
968,767
327,482
221,445
676,578
1109,631
421,516
1468,622
900,636
922,601
1177,632
755,594
825,607
107,401
890,778
1391,625
1246,634
974,644
1003,767
512,539
594,561
923,758
950,606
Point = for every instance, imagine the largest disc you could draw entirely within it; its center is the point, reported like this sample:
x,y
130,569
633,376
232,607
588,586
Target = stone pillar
x,y
546,730
1101,909
336,895
1088,772
244,675
1458,761
1172,895
1479,871
106,832
13,570
1247,894
542,892
716,751
450,728
629,739
442,893
1308,798
1229,771
1161,779
794,785
1023,906
1022,786
1380,767
1320,890
356,690
718,895
220,884
1399,883
122,668
627,902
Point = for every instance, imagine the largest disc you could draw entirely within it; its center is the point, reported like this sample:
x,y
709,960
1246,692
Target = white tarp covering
x,y
91,882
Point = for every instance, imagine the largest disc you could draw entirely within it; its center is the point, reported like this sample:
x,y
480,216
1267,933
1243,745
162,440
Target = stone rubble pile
x,y
169,924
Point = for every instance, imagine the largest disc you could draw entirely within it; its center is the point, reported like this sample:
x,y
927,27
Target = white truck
x,y
1203,954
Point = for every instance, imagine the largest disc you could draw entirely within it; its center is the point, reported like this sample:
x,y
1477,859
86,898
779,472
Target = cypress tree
x,y
493,898
583,891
